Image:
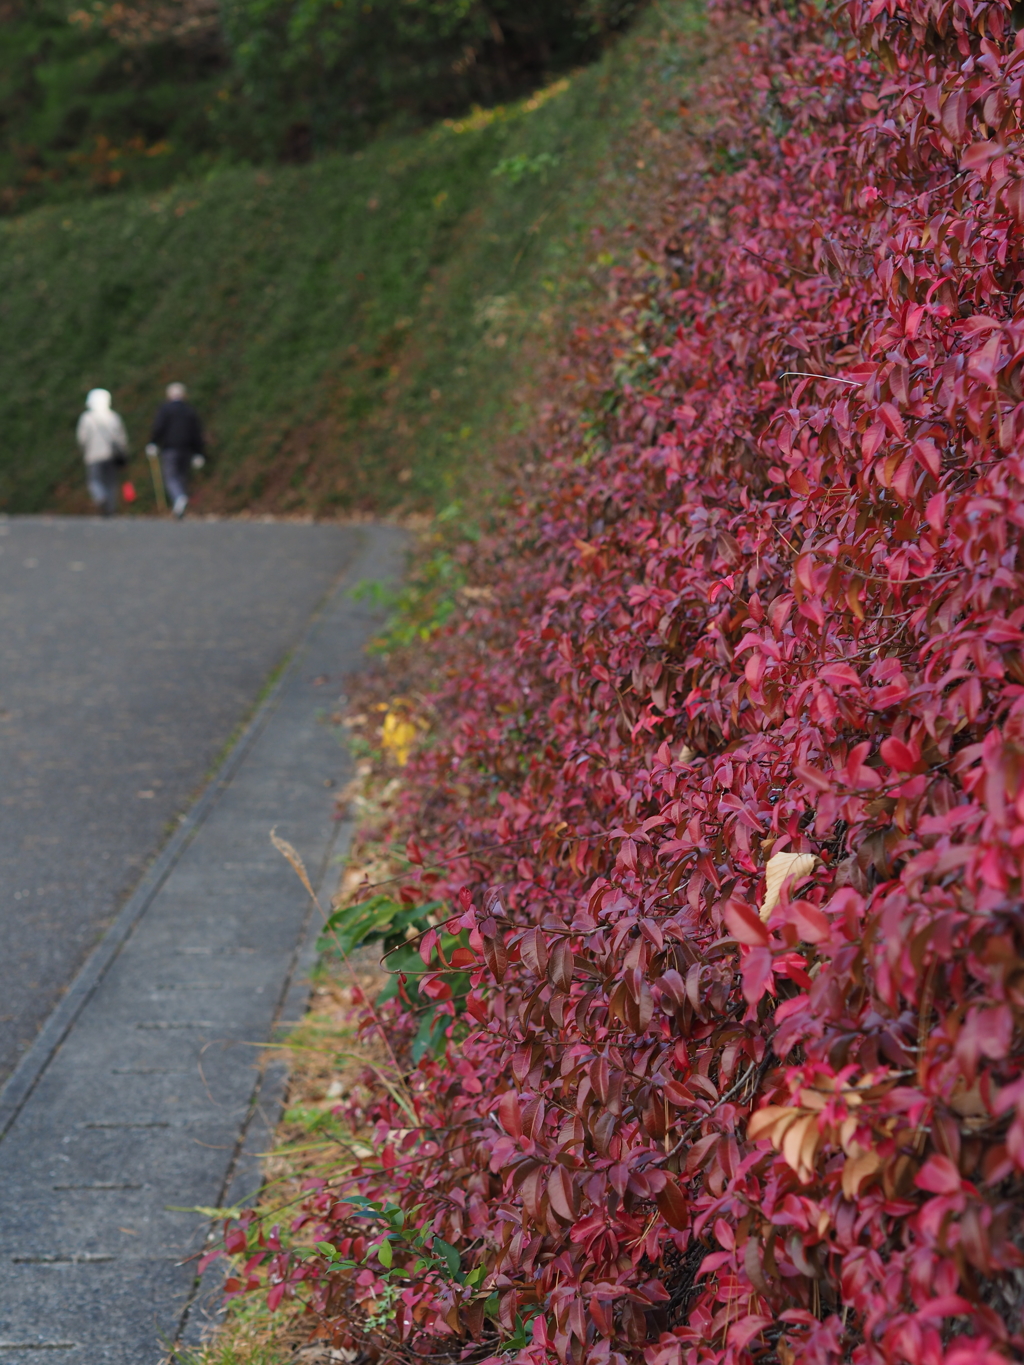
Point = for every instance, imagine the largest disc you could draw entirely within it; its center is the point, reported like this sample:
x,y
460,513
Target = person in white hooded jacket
x,y
104,443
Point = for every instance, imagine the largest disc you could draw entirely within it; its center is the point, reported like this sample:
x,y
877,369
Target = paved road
x,y
129,652
144,1092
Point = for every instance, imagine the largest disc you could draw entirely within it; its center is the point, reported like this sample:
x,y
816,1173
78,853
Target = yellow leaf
x,y
397,735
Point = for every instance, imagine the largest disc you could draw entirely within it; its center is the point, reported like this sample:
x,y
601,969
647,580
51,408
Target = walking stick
x,y
158,483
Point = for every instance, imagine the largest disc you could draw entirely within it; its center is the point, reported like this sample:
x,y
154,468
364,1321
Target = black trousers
x,y
175,465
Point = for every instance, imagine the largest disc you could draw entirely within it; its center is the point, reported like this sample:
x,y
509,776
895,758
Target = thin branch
x,y
695,1128
832,378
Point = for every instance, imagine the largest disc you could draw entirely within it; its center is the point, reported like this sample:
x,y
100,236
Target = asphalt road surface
x,y
130,651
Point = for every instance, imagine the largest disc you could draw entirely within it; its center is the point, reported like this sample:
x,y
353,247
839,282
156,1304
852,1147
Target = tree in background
x,y
341,68
139,24
112,93
104,95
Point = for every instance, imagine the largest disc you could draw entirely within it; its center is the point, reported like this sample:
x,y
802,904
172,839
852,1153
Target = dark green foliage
x,y
82,111
109,94
397,929
314,72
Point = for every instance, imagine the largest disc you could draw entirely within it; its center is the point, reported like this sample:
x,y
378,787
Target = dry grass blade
x,y
293,858
291,854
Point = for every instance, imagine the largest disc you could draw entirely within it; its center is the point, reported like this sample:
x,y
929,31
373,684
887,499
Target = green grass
x,y
355,332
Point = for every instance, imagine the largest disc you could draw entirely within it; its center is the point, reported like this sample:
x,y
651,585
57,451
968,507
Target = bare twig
x,y
695,1128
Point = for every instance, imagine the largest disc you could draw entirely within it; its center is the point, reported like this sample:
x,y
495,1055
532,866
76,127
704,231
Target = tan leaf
x,y
808,1155
813,1099
793,1142
969,1104
857,1170
846,1131
783,867
763,1121
752,1265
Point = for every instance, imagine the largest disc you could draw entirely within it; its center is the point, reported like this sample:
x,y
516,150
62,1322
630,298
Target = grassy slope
x,y
354,331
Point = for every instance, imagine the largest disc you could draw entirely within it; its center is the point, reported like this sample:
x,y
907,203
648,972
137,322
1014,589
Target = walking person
x,y
104,444
178,437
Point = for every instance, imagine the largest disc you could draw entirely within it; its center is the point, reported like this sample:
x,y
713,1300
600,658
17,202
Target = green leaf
x,y
430,1036
325,1249
384,1254
378,918
449,1254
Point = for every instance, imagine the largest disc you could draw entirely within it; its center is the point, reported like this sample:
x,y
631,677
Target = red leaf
x,y
927,452
534,951
839,675
954,115
509,1114
938,1175
672,1205
809,922
673,986
812,776
562,1194
904,757
744,925
890,415
742,1333
980,154
496,955
560,965
757,974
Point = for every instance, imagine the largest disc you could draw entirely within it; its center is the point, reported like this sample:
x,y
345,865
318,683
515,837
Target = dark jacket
x,y
176,427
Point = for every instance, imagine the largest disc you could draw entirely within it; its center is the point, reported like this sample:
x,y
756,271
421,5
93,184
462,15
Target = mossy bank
x,y
356,331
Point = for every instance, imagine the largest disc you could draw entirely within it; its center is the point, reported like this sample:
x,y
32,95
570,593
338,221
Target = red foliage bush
x,y
769,600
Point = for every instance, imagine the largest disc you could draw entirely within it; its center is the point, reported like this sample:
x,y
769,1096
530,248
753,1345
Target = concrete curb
x,y
243,1181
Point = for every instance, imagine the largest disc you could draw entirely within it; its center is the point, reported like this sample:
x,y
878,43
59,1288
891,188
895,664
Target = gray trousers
x,y
175,465
102,481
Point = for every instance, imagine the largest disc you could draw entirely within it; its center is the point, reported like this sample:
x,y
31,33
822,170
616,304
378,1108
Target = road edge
x,y
26,1075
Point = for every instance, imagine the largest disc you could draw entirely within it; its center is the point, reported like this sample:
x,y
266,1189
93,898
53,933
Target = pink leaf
x,y
743,1332
904,757
757,974
938,1175
744,925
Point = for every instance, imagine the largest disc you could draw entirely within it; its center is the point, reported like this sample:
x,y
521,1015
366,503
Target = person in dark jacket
x,y
178,436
